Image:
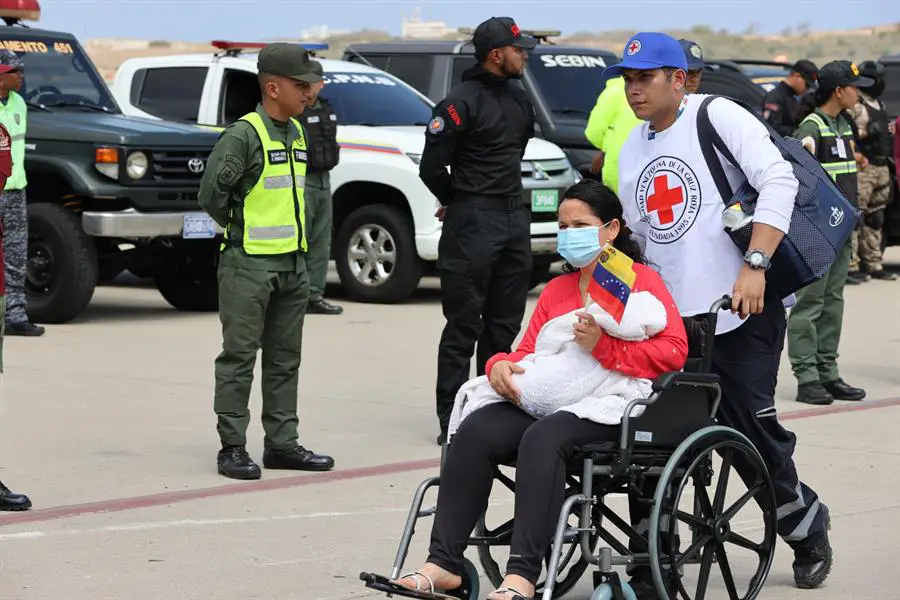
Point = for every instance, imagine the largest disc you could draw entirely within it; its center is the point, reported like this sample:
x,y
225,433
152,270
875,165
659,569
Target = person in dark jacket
x,y
781,103
480,130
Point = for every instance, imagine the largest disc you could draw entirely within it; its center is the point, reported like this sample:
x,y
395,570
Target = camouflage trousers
x,y
15,246
874,194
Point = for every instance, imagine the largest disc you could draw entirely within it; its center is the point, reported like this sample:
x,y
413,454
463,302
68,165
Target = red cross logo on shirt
x,y
663,199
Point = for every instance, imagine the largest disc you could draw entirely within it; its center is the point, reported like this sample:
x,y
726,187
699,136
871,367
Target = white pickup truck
x,y
386,234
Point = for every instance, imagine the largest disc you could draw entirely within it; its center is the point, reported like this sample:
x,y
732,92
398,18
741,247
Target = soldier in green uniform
x,y
253,187
320,123
814,325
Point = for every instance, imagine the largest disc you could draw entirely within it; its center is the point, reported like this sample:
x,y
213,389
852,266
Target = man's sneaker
x,y
25,329
235,463
883,275
297,458
839,390
813,393
10,500
322,307
857,277
813,558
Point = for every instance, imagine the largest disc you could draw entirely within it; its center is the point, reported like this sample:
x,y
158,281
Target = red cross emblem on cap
x,y
515,30
634,47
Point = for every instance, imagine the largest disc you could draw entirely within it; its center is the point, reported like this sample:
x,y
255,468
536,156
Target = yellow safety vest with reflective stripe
x,y
842,169
274,211
14,116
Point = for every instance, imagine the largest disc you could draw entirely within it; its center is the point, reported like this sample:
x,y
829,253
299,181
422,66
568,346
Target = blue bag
x,y
822,221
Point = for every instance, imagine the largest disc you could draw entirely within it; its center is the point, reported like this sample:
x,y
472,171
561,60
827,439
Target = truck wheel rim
x,y
40,268
372,255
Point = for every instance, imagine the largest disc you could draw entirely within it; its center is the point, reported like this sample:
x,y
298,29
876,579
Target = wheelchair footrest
x,y
384,584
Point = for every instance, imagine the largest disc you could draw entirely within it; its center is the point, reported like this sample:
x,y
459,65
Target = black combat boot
x,y
813,393
25,329
321,307
841,391
813,558
10,500
234,462
297,458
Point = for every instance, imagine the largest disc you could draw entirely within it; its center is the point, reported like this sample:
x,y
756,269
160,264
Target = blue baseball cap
x,y
649,50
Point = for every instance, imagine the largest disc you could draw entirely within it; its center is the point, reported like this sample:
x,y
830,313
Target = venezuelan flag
x,y
612,281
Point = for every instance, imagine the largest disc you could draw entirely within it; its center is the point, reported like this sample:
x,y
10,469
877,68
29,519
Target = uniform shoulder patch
x,y
436,125
230,171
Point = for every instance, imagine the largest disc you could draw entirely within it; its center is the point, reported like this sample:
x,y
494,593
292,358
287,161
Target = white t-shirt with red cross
x,y
670,200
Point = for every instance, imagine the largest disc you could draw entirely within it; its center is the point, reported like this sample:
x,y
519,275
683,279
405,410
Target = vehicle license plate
x,y
198,226
544,200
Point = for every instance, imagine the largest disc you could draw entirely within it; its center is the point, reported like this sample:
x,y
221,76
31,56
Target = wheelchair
x,y
674,439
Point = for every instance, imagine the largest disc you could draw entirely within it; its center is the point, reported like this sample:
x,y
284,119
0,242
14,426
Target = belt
x,y
508,202
878,162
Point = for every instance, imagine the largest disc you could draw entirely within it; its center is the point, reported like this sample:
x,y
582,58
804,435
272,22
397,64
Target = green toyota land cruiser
x,y
106,192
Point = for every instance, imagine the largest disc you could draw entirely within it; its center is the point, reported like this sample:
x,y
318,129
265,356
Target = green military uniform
x,y
815,322
253,186
320,123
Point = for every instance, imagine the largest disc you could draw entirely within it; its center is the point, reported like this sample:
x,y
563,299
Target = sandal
x,y
432,592
506,591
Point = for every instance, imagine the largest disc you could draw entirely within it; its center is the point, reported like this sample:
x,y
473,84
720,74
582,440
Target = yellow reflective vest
x,y
608,127
14,116
273,214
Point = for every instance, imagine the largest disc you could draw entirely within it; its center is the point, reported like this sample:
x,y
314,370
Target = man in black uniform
x,y
780,104
320,123
481,130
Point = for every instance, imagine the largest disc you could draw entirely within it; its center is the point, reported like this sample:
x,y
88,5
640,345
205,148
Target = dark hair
x,y
810,101
606,206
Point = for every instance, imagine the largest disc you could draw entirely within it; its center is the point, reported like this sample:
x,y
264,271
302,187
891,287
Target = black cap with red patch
x,y
498,32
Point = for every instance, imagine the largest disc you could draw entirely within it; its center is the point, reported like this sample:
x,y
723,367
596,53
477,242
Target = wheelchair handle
x,y
723,303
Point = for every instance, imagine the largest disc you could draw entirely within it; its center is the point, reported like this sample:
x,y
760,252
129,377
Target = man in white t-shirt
x,y
672,205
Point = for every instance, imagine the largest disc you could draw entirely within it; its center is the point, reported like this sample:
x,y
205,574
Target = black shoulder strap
x,y
710,141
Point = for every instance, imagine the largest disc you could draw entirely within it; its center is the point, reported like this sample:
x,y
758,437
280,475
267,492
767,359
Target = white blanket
x,y
560,375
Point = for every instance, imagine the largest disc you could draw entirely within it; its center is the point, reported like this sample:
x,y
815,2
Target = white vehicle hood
x,y
411,140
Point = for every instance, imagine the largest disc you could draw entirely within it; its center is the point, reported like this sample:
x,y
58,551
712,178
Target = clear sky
x,y
202,20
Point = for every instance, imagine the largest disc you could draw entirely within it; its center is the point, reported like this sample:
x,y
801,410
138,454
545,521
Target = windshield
x,y
569,83
377,100
58,73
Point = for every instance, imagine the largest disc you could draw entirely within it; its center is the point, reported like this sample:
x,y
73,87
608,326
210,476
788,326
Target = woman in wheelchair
x,y
590,216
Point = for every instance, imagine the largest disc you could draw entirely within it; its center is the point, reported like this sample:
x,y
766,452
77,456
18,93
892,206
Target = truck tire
x,y
375,255
62,264
187,280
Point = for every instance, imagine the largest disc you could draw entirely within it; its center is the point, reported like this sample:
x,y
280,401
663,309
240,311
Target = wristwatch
x,y
757,259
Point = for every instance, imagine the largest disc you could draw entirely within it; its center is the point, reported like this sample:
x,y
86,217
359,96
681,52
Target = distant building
x,y
414,27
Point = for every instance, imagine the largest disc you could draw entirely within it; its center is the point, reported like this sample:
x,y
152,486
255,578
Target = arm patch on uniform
x,y
436,125
231,170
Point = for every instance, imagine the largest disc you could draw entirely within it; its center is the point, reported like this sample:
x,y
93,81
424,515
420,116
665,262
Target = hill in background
x,y
791,44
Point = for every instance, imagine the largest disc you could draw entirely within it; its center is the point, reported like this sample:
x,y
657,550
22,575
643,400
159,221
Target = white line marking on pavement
x,y
37,534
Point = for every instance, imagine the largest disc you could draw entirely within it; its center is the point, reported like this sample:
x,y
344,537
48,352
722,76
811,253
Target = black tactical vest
x,y
321,126
877,147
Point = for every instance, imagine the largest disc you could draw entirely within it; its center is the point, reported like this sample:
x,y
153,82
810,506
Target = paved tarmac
x,y
107,424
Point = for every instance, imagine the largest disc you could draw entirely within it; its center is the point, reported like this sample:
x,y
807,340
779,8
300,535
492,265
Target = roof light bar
x,y
26,10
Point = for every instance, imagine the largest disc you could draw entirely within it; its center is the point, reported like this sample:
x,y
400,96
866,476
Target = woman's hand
x,y
501,379
587,332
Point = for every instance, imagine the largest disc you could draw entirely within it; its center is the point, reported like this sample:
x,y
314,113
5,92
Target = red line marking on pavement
x,y
261,485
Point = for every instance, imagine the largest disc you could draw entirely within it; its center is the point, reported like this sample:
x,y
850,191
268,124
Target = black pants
x,y
500,434
485,263
746,360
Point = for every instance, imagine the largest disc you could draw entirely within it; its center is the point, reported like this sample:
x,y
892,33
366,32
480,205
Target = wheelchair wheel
x,y
572,563
713,521
470,587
